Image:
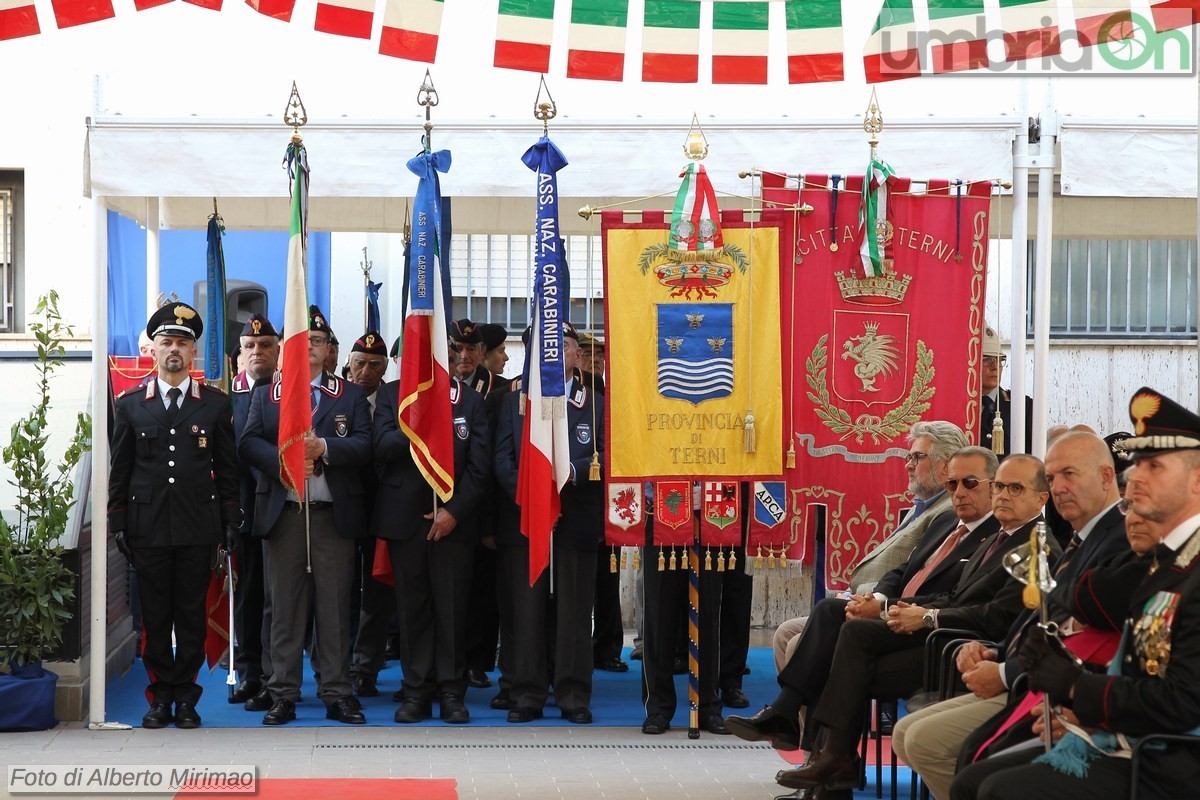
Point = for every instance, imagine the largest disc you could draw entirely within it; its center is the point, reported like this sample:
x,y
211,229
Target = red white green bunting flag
x,y
346,17
18,18
891,52
695,220
740,42
671,41
958,31
1030,29
411,29
276,9
872,216
596,41
1170,14
523,32
68,13
1099,21
814,40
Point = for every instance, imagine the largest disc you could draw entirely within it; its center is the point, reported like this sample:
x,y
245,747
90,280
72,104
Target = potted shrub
x,y
35,585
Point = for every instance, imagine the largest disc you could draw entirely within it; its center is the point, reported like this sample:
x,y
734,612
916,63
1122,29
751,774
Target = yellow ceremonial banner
x,y
694,372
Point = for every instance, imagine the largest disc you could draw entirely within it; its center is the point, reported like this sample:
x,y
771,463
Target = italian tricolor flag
x,y
1169,14
18,18
671,42
68,13
1099,21
295,409
740,42
892,53
346,17
411,29
596,41
523,32
1030,29
958,31
814,40
276,9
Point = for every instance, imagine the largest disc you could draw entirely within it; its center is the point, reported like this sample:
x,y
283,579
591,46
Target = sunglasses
x,y
968,483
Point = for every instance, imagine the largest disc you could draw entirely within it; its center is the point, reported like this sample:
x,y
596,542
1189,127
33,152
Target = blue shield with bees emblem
x,y
695,351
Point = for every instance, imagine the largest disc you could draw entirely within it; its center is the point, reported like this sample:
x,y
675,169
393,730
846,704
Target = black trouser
x,y
736,595
483,623
173,583
249,597
375,610
608,630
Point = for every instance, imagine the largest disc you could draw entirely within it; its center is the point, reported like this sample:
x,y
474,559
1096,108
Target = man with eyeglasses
x,y
932,570
996,400
885,658
1152,685
311,565
1083,487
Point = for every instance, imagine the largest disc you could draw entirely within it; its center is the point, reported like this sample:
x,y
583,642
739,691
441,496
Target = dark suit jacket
x,y
173,482
945,575
1005,407
581,526
239,397
343,420
987,599
404,495
1162,698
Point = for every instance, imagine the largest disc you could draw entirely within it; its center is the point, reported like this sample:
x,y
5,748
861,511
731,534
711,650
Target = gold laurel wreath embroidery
x,y
894,423
663,252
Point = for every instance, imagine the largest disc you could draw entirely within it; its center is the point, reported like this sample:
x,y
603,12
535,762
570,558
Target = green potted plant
x,y
36,587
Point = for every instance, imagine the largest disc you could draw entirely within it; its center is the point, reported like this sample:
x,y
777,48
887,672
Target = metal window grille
x,y
1120,288
491,279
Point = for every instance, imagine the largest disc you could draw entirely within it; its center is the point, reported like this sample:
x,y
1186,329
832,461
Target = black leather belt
x,y
313,505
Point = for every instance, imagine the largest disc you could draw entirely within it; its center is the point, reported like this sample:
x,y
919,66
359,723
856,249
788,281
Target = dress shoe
x,y
612,665
680,667
524,714
478,679
714,724
398,696
186,716
828,770
767,725
346,709
735,698
656,724
413,710
452,709
159,716
244,691
636,653
282,711
364,686
502,701
261,701
577,716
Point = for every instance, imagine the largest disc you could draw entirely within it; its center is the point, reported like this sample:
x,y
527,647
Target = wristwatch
x,y
929,621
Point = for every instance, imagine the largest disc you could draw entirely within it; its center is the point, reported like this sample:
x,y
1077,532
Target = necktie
x,y
174,393
947,547
996,544
316,399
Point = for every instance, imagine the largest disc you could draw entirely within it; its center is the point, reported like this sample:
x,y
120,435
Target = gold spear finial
x,y
544,111
427,97
295,114
873,121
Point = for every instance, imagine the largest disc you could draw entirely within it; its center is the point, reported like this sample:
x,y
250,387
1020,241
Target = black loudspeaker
x,y
242,298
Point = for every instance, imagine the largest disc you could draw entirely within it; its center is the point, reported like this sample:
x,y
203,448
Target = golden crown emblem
x,y
887,289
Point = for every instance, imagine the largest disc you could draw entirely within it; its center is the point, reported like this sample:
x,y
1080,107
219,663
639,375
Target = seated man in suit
x,y
1083,486
1153,682
886,658
934,569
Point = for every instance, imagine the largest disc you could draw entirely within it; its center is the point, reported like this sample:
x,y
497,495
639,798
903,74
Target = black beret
x,y
317,322
370,342
464,331
258,325
568,330
492,335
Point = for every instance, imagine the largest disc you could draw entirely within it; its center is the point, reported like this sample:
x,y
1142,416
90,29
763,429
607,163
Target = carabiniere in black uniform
x,y
173,498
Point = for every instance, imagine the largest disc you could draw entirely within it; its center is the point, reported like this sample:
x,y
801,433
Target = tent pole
x,y
1020,271
153,258
98,646
1048,130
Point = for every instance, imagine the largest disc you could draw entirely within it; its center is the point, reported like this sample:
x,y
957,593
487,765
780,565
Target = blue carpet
x,y
616,698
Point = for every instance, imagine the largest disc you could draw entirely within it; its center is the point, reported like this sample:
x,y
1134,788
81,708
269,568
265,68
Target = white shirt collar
x,y
1083,532
1179,536
164,387
973,525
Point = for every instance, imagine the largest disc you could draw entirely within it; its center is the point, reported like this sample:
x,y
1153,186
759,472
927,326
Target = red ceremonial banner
x,y
720,514
673,523
126,372
865,358
625,521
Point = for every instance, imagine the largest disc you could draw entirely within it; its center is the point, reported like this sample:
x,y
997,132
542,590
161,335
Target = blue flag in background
x,y
373,306
216,364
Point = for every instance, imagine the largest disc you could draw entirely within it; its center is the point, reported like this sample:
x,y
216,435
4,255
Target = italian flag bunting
x,y
523,32
1030,29
814,40
346,17
1170,14
276,9
872,216
696,220
18,18
1099,21
959,34
596,42
68,13
740,42
671,42
891,52
411,29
